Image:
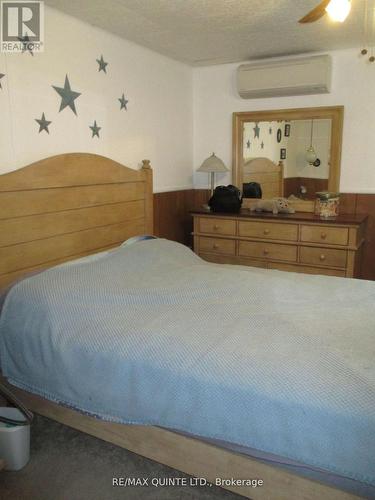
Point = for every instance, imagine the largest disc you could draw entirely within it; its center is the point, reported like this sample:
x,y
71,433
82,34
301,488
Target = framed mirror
x,y
290,152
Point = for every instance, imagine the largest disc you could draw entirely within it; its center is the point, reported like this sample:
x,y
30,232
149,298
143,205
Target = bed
x,y
71,206
267,173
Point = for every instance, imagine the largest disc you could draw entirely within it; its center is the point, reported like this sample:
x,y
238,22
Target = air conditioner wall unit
x,y
285,77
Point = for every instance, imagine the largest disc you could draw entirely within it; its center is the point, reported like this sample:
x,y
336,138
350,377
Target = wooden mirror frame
x,y
335,113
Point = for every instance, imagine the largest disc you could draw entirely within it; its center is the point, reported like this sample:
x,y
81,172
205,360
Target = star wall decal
x,y
43,124
256,131
68,96
270,130
123,102
27,44
1,76
102,64
95,129
248,144
262,145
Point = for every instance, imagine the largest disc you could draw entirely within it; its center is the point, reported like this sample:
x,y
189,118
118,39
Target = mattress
x,y
152,334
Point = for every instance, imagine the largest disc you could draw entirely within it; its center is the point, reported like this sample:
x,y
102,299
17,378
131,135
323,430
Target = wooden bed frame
x,y
268,174
76,204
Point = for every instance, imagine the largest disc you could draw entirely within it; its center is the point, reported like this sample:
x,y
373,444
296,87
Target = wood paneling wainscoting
x,y
292,185
172,219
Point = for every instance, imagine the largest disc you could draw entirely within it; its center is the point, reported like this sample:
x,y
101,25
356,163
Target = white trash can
x,y
14,440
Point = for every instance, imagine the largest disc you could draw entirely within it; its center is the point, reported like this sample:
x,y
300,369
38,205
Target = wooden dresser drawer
x,y
271,230
300,242
323,256
217,245
272,251
217,226
324,234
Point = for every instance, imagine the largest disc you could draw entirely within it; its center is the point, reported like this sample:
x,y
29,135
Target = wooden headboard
x,y
68,206
269,175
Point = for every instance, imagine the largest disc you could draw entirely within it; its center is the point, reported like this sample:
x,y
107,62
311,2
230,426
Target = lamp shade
x,y
213,164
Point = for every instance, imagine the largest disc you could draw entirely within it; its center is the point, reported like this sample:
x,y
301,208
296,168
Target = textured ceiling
x,y
204,32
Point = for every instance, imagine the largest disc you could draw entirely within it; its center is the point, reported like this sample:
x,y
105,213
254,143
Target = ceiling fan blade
x,y
315,14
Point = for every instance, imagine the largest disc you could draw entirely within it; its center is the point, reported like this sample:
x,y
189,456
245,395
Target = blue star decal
x,y
95,130
256,131
68,96
27,44
102,64
123,102
43,124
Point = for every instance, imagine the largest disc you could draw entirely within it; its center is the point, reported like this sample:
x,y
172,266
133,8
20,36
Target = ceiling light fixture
x,y
338,10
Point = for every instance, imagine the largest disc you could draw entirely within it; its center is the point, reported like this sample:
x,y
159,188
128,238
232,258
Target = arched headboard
x,y
68,206
269,175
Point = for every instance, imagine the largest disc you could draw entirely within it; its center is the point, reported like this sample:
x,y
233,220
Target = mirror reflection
x,y
302,146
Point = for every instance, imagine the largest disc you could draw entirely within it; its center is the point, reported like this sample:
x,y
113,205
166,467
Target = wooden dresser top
x,y
345,219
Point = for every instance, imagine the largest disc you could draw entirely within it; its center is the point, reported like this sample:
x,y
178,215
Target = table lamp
x,y
213,165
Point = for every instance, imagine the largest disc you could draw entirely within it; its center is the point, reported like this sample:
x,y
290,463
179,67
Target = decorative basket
x,y
327,204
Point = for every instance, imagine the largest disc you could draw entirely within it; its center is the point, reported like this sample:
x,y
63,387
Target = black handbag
x,y
226,199
252,190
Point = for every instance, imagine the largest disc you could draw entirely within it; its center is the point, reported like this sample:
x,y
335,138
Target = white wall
x,y
158,124
166,100
215,99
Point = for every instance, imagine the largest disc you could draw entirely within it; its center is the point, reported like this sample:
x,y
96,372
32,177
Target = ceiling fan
x,y
338,10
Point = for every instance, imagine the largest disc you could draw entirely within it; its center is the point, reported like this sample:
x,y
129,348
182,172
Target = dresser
x,y
300,242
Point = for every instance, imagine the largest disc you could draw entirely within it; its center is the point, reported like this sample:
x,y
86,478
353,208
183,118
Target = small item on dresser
x,y
276,206
226,199
251,190
327,204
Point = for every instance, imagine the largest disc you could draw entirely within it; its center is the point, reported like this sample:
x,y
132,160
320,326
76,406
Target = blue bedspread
x,y
152,334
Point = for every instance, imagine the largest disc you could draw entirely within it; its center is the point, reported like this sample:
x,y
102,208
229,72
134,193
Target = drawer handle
x,y
215,246
266,231
322,257
266,252
216,227
323,236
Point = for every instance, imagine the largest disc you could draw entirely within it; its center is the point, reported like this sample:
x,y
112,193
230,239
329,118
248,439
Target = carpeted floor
x,y
68,465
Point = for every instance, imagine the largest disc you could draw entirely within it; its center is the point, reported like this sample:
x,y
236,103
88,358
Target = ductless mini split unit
x,y
285,77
